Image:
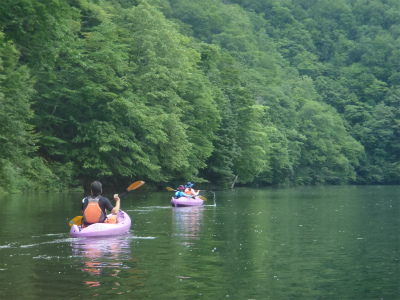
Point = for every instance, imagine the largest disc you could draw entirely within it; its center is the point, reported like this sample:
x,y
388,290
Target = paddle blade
x,y
135,185
76,221
170,189
203,198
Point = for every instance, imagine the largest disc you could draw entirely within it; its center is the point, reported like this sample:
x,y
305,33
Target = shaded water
x,y
302,243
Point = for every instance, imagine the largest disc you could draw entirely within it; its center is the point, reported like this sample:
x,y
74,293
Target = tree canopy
x,y
292,92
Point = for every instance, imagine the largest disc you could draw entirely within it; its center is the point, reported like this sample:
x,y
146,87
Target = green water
x,y
304,243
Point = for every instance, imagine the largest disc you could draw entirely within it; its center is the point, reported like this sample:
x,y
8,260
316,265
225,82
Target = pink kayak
x,y
186,201
103,229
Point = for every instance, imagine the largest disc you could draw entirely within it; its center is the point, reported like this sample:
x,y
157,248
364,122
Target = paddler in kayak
x,y
94,206
181,192
190,191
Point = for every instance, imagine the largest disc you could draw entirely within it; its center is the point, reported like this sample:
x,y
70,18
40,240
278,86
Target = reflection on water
x,y
103,257
188,221
308,243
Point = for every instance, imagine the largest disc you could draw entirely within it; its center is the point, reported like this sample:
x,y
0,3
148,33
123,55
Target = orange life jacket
x,y
191,191
93,212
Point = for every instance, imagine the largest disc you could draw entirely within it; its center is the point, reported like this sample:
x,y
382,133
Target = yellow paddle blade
x,y
135,185
76,221
170,189
203,198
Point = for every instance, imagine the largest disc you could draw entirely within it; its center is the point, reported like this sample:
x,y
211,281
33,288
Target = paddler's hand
x,y
116,197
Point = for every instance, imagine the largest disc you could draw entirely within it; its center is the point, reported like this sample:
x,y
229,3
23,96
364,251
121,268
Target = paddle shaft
x,y
132,187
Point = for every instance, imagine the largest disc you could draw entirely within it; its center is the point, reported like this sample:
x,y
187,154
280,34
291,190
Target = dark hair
x,y
96,188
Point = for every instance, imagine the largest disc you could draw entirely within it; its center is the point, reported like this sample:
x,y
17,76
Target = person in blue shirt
x,y
180,192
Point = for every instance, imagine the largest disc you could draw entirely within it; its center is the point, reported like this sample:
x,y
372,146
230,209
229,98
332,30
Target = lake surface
x,y
302,243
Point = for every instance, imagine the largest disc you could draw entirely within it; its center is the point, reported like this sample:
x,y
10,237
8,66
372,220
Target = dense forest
x,y
292,92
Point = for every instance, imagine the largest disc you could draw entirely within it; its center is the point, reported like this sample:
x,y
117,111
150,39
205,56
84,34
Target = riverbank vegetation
x,y
274,92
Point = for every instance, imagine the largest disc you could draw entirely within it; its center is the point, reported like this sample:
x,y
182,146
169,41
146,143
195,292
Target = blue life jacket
x,y
179,194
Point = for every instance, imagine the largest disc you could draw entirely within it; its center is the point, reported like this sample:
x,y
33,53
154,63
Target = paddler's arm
x,y
115,210
83,203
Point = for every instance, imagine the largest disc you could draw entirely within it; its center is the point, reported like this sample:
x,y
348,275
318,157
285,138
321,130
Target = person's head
x,y
96,188
181,188
189,185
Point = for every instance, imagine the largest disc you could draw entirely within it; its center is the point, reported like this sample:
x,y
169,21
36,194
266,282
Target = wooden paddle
x,y
172,190
133,186
78,219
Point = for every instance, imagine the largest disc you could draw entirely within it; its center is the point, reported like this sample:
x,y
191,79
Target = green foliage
x,y
274,92
167,81
328,153
18,170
